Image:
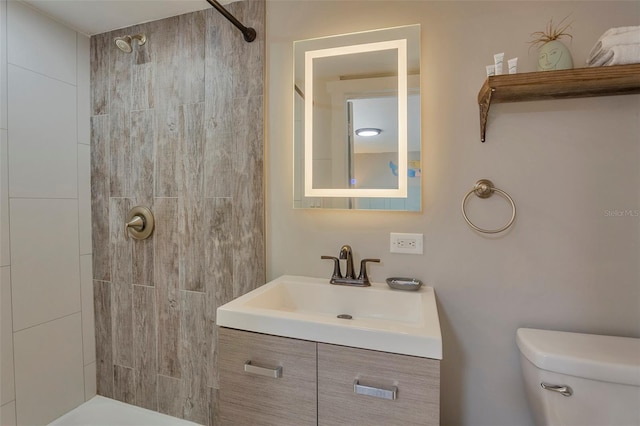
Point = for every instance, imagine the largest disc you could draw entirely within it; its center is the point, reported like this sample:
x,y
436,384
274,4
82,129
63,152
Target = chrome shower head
x,y
124,43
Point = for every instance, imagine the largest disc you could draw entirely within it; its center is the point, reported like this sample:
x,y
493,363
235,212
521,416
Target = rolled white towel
x,y
625,54
619,30
613,37
620,55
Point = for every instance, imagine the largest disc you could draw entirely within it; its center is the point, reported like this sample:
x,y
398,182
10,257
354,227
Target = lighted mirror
x,y
357,138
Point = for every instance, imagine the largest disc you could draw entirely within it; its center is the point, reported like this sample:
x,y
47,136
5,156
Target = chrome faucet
x,y
349,278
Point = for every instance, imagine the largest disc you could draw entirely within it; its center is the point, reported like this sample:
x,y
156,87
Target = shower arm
x,y
248,32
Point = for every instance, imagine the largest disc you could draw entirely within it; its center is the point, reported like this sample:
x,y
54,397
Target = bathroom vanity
x,y
285,357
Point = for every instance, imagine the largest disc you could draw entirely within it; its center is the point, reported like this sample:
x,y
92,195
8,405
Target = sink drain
x,y
345,316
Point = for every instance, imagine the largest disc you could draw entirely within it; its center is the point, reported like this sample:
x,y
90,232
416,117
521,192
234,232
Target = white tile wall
x,y
47,295
8,414
40,44
42,146
49,370
89,381
3,64
84,95
84,197
88,319
4,201
44,233
7,393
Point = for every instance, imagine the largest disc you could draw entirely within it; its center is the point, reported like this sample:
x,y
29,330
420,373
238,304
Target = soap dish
x,y
407,284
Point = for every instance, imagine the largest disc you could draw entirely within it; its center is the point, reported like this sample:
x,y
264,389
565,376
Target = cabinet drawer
x,y
417,381
249,398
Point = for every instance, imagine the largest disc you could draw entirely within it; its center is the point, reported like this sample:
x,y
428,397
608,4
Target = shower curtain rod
x,y
248,32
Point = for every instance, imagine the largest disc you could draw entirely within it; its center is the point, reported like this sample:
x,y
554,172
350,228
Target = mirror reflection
x,y
357,121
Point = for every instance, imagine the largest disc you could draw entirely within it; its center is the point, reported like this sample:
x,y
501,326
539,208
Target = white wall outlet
x,y
405,243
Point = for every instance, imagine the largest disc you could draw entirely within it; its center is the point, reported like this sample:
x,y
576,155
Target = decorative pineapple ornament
x,y
552,53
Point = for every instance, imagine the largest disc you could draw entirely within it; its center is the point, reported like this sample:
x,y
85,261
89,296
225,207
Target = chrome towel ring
x,y
484,188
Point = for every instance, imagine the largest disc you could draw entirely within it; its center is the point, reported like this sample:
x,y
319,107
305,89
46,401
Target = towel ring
x,y
484,188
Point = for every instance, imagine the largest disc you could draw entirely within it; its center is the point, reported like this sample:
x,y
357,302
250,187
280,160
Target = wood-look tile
x,y
144,347
143,70
143,260
164,35
218,254
218,150
214,408
104,342
168,389
167,144
121,249
100,197
191,242
122,323
191,150
100,74
196,341
218,72
120,122
248,198
249,57
218,164
141,154
191,39
124,386
166,275
142,82
218,270
119,153
213,371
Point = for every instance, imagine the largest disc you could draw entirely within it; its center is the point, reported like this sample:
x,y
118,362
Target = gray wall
x,y
177,126
565,264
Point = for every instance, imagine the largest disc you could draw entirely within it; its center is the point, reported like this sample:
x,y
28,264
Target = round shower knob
x,y
139,223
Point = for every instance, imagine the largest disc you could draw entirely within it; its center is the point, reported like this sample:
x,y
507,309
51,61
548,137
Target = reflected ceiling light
x,y
368,131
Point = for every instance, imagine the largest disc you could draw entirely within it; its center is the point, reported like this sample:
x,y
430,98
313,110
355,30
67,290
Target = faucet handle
x,y
336,266
363,269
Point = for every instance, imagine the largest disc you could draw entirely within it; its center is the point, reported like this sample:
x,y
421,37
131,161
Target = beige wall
x,y
564,265
47,349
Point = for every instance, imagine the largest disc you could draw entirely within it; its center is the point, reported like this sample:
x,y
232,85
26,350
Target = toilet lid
x,y
605,358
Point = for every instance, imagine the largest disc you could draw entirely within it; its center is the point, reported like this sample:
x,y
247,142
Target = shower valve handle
x,y
139,223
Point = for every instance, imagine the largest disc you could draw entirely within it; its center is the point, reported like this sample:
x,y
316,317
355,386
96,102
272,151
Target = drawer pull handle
x,y
391,393
274,373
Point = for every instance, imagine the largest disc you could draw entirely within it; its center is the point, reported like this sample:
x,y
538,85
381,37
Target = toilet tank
x,y
602,374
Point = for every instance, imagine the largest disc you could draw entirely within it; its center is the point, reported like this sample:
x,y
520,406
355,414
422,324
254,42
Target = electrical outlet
x,y
405,243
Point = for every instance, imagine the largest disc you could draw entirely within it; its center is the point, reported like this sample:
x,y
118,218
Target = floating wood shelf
x,y
576,83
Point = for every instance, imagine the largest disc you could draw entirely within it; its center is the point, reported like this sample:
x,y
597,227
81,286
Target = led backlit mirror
x,y
357,121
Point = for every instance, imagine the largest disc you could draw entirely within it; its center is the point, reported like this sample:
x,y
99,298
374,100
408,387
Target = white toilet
x,y
581,379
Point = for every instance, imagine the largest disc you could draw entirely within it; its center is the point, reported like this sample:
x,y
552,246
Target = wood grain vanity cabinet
x,y
317,384
251,399
417,381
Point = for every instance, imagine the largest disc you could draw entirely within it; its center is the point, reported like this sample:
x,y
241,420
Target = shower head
x,y
124,43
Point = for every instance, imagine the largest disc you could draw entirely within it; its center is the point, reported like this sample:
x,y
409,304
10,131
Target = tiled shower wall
x,y
47,351
176,126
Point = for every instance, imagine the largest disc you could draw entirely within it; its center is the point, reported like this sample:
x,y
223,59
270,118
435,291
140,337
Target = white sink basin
x,y
307,308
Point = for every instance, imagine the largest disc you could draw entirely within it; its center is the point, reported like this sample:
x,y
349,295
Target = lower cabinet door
x,y
266,380
364,387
